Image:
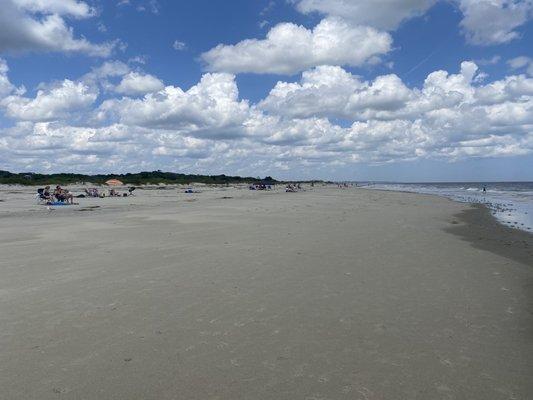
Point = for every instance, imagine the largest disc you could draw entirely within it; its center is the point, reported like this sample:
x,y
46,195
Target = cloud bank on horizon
x,y
337,102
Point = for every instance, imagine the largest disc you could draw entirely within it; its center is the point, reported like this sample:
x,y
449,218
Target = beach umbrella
x,y
114,182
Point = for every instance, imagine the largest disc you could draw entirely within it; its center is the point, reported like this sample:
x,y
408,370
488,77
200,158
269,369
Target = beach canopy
x,y
114,182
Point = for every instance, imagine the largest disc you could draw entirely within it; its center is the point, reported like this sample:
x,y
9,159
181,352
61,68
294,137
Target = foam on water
x,y
510,202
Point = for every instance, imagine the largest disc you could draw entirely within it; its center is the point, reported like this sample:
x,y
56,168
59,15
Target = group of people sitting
x,y
259,186
59,194
293,188
94,192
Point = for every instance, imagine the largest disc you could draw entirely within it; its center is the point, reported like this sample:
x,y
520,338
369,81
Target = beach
x,y
327,293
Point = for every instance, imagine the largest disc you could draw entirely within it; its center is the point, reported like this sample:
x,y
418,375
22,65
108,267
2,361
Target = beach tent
x,y
114,182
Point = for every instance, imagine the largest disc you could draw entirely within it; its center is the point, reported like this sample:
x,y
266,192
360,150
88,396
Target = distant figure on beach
x,y
46,193
484,188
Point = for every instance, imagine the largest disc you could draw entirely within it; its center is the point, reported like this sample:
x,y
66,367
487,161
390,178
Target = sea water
x,y
510,202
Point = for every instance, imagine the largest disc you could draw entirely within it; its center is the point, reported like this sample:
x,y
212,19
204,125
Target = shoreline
x,y
486,232
491,211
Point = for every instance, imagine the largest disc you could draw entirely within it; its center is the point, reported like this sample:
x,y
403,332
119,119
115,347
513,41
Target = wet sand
x,y
232,294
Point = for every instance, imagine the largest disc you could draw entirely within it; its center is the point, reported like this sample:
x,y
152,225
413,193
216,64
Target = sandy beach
x,y
231,294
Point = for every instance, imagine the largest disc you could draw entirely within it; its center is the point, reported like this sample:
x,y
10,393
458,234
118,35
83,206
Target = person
x,y
484,188
92,192
63,195
46,193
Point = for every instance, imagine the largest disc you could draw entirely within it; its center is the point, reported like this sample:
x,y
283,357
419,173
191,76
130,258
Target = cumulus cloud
x,y
381,14
75,8
290,48
54,102
323,91
332,91
135,83
505,16
210,108
392,121
329,118
38,25
354,32
487,22
5,85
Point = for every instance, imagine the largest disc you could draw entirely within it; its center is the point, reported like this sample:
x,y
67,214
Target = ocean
x,y
510,202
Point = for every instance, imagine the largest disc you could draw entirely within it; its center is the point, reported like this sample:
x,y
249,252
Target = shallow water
x,y
510,202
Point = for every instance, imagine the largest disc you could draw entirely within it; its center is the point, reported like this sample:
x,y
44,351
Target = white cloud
x,y
323,91
50,103
75,8
138,84
106,70
330,91
208,128
519,62
38,25
381,14
353,33
522,62
179,45
289,48
392,121
489,61
516,88
5,85
487,22
104,76
152,6
210,108
138,59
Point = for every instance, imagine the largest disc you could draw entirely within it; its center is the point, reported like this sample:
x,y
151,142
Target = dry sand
x,y
232,294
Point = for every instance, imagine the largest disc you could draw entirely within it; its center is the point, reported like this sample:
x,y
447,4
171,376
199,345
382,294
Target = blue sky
x,y
337,89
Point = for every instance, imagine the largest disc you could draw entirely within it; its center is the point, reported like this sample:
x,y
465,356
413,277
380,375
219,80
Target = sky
x,y
391,90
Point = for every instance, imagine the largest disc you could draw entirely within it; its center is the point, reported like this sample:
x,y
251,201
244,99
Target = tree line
x,y
141,178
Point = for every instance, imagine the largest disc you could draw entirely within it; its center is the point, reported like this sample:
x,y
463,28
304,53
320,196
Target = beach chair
x,y
40,197
131,190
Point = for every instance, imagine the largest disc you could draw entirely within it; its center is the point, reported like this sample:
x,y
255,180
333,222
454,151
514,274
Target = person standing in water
x,y
484,188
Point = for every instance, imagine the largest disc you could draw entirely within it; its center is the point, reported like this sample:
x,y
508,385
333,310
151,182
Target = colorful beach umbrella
x,y
114,182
